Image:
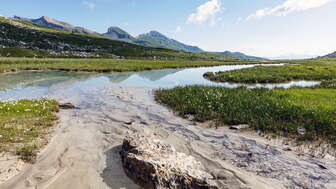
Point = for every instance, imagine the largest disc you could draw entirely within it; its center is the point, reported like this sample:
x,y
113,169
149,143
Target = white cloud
x,y
206,12
89,4
289,6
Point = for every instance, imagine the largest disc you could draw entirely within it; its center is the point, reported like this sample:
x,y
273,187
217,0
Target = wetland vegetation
x,y
306,114
106,65
315,69
25,124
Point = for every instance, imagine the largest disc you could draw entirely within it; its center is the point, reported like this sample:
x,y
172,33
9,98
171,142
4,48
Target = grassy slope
x,y
24,125
277,111
43,38
102,65
318,69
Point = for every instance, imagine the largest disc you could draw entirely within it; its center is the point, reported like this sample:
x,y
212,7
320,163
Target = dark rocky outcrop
x,y
66,106
153,164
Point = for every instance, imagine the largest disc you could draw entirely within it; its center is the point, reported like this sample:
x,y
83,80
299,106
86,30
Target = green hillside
x,y
26,35
156,39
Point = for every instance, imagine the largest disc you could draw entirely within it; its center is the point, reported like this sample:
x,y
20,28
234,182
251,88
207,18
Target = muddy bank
x,y
84,152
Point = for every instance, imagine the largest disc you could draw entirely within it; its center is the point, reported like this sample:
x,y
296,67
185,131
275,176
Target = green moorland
x,y
24,126
314,69
104,65
277,111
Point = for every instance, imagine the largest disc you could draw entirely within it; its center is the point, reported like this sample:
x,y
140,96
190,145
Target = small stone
x,y
129,122
287,149
321,166
233,128
67,106
301,130
143,123
239,127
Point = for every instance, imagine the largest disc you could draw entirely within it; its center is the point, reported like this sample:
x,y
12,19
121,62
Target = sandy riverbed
x,y
84,150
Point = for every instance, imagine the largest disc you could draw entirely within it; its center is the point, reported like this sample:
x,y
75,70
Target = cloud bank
x,y
289,6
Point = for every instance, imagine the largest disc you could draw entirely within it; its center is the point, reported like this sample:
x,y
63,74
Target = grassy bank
x,y
319,69
24,125
103,65
278,111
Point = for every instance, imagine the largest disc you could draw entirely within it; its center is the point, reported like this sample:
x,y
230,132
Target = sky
x,y
266,28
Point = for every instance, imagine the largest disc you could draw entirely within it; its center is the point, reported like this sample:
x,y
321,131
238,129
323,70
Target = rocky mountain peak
x,y
113,29
45,18
155,34
118,33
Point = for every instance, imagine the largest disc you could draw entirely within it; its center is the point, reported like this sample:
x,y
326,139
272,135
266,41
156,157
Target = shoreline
x,y
154,65
84,149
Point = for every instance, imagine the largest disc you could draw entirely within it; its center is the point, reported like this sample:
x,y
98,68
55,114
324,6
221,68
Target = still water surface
x,y
52,83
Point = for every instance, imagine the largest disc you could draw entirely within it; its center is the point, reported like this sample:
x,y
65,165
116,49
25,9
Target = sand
x,y
84,150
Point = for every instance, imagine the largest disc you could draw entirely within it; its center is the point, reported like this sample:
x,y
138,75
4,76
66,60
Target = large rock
x,y
153,164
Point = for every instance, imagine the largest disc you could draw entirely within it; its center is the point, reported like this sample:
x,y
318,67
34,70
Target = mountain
x,y
151,39
117,33
331,55
239,55
156,39
45,21
21,38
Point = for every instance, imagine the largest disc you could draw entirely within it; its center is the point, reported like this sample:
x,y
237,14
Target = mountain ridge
x,y
151,39
156,39
118,33
331,55
20,38
48,22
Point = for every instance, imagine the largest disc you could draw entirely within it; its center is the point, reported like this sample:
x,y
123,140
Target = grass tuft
x,y
24,125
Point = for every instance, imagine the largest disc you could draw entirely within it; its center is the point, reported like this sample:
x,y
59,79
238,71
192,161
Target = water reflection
x,y
119,77
41,79
39,84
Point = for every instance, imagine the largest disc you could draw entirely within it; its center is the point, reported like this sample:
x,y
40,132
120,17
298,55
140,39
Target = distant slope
x,y
45,21
23,34
331,55
156,39
151,39
117,33
239,55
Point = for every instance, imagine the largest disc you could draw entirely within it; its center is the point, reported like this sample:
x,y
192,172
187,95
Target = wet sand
x,y
84,150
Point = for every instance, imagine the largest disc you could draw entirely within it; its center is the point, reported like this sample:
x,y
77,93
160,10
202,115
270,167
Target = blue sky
x,y
268,28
